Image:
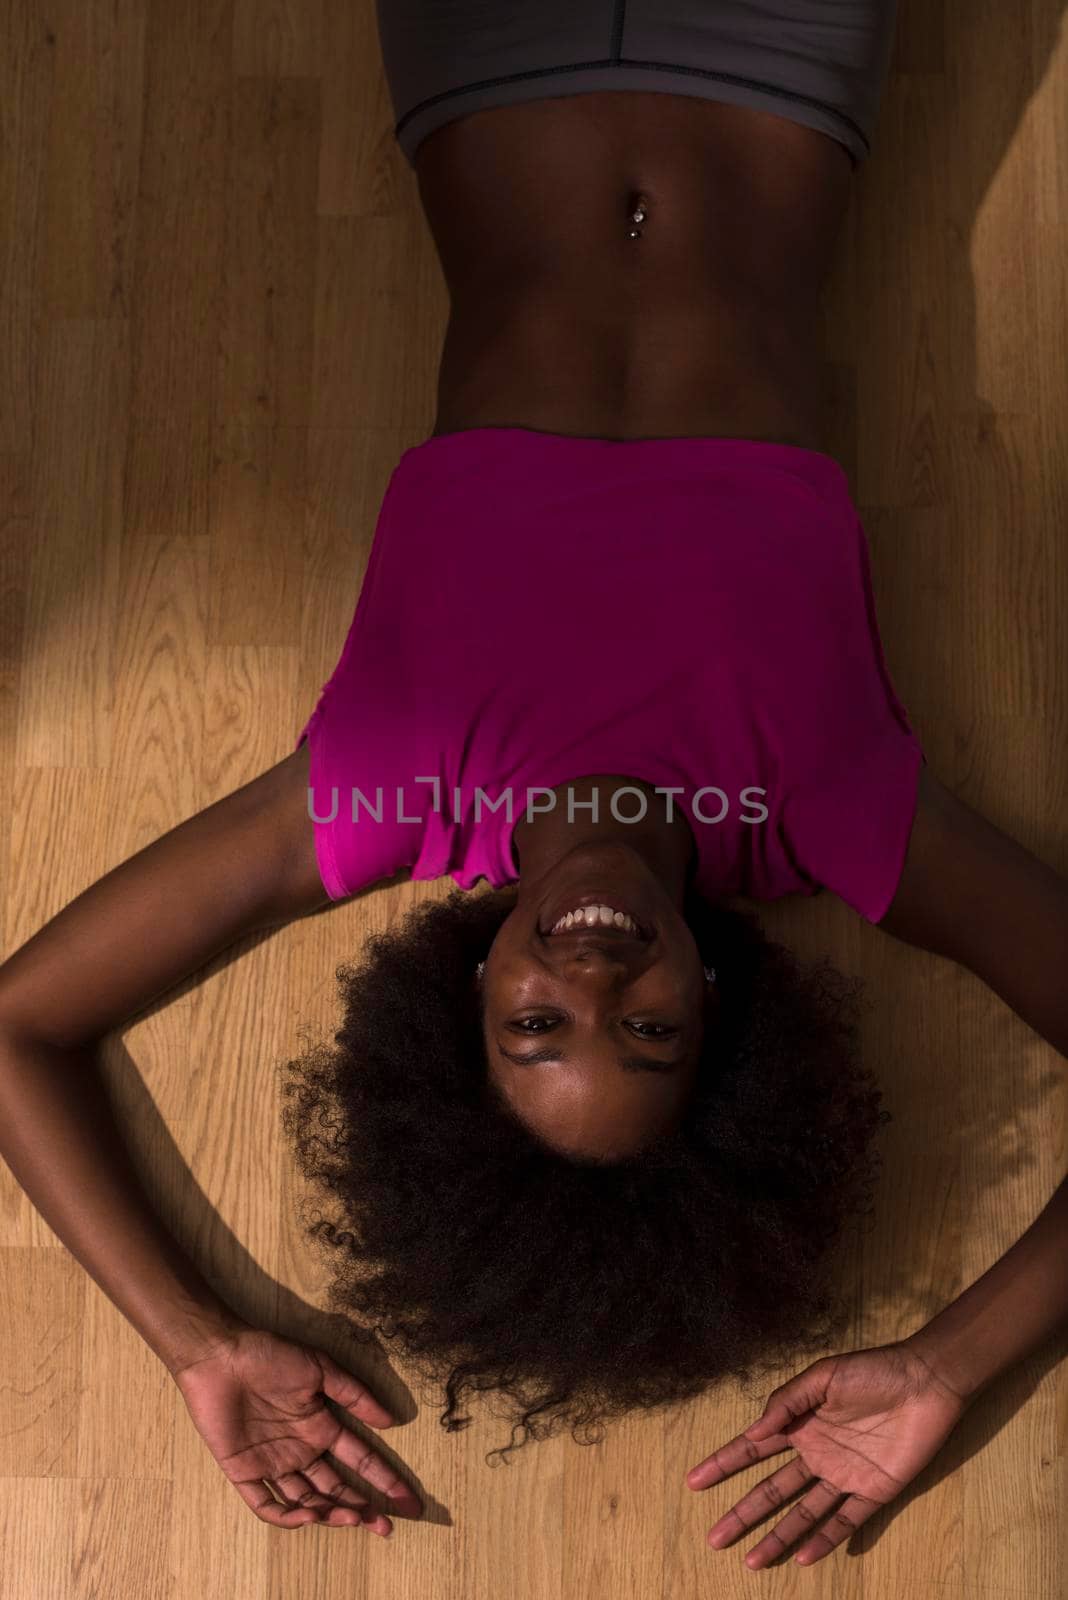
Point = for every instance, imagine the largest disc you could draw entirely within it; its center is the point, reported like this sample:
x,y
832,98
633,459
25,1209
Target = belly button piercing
x,y
638,215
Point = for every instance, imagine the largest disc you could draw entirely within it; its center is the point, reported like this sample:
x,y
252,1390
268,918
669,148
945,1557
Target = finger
x,y
846,1519
759,1502
256,1494
815,1504
793,1399
731,1457
326,1479
352,1451
351,1393
296,1488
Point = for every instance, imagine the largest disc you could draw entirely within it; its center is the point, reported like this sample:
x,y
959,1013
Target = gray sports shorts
x,y
819,62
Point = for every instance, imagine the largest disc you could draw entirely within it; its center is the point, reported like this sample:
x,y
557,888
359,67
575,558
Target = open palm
x,y
863,1424
257,1402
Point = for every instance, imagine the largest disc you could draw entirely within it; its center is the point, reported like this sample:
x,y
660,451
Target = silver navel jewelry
x,y
480,969
638,215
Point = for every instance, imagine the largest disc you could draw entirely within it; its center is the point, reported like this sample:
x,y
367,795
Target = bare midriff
x,y
706,324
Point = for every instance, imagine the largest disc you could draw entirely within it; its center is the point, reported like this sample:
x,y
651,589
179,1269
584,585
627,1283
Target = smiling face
x,y
593,1033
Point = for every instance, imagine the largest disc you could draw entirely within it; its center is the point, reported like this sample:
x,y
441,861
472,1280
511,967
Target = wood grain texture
x,y
221,315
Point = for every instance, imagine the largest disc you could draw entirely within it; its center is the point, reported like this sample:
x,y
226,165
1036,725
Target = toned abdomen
x,y
705,323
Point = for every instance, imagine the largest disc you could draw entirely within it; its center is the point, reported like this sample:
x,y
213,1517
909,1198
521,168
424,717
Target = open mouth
x,y
594,914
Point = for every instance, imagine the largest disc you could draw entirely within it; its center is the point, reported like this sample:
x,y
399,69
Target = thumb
x,y
348,1391
792,1400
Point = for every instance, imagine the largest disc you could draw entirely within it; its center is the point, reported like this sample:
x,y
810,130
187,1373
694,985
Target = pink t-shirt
x,y
693,612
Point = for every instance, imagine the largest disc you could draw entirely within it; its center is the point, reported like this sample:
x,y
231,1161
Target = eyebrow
x,y
628,1063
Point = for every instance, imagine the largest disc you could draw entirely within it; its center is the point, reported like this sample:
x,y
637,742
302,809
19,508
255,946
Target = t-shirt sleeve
x,y
848,828
351,855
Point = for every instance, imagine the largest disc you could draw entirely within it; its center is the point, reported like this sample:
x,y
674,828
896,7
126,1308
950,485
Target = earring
x,y
480,969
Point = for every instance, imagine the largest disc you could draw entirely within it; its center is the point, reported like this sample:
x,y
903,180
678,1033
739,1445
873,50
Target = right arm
x,y
244,863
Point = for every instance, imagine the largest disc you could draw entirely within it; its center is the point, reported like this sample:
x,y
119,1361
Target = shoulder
x,y
281,796
949,850
297,837
969,890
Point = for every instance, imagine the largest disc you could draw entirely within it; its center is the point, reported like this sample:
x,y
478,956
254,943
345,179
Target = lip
x,y
576,902
595,938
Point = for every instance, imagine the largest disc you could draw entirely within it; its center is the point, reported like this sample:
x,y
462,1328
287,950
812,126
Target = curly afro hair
x,y
583,1289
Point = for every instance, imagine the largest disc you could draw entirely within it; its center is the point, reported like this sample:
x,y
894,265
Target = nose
x,y
601,953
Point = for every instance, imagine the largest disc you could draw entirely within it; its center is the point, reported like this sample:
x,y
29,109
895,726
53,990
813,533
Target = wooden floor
x,y
220,316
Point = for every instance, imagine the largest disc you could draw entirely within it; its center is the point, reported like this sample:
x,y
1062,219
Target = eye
x,y
529,1024
644,1030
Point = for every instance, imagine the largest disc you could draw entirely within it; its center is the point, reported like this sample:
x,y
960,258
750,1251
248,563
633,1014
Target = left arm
x,y
865,1423
1011,1310
971,893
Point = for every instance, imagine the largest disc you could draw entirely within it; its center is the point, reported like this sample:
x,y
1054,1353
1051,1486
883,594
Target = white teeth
x,y
596,916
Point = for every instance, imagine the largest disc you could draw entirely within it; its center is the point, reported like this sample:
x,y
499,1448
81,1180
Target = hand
x,y
863,1424
257,1402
